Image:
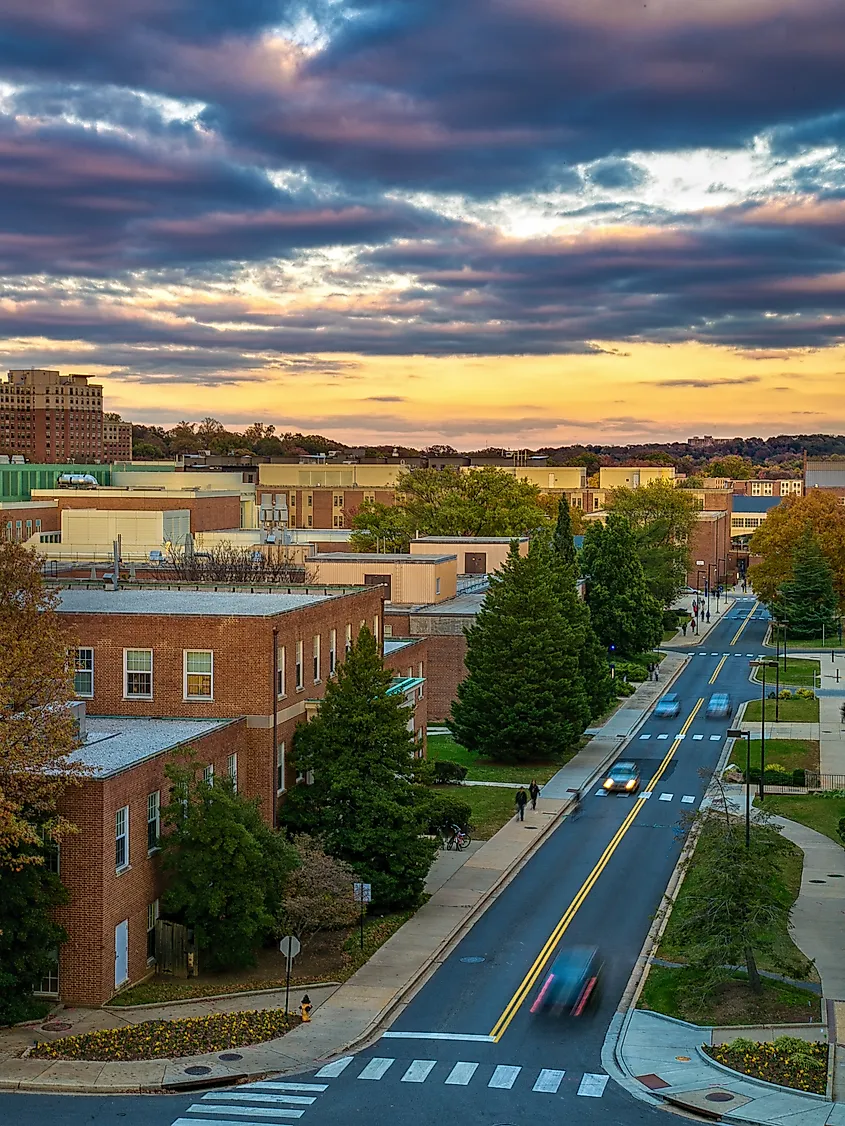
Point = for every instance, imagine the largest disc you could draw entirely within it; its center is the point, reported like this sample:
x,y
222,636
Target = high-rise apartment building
x,y
117,438
49,417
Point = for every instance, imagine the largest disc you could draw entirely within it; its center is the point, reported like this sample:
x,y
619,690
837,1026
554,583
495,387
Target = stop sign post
x,y
290,947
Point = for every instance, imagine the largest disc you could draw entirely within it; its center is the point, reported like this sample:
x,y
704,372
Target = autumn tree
x,y
733,466
807,602
319,892
38,732
775,541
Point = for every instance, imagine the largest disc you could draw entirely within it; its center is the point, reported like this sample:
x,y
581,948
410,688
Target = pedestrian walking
x,y
694,608
693,626
657,672
707,615
650,667
684,627
521,802
534,793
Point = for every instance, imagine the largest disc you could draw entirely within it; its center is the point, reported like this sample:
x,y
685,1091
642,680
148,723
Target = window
x,y
208,774
388,630
337,500
309,500
121,839
138,674
50,981
199,674
300,672
52,860
348,637
315,649
332,652
437,586
152,919
280,768
280,671
83,677
369,498
232,767
337,520
153,820
309,521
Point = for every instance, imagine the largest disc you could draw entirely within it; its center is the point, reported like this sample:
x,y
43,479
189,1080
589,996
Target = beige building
x,y
48,417
548,479
409,579
117,438
334,475
632,476
477,555
89,534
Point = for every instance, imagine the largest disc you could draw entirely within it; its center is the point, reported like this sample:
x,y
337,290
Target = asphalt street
x,y
467,1047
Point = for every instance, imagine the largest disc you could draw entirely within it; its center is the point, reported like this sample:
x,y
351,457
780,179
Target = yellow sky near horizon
x,y
628,392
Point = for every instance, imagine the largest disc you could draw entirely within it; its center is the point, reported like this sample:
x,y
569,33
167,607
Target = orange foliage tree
x,y
819,512
38,732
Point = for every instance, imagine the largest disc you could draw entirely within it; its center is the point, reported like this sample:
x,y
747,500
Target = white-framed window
x,y
337,520
208,774
121,838
300,671
138,674
332,651
83,677
198,674
309,521
232,767
280,672
52,852
437,586
280,768
152,919
309,500
153,820
337,500
388,630
315,650
49,983
348,636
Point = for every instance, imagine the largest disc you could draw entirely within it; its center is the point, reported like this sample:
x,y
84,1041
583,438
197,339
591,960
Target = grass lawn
x,y
485,770
831,641
668,634
799,671
819,813
793,754
790,711
491,806
668,991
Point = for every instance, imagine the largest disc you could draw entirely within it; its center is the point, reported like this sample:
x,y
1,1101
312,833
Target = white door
x,y
121,952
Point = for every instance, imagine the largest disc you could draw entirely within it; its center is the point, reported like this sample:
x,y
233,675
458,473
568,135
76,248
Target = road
x,y
467,1048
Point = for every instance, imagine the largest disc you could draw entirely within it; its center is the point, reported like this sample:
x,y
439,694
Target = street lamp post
x,y
764,665
710,584
738,733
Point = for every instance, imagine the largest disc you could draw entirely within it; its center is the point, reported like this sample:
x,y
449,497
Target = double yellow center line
x,y
542,958
745,622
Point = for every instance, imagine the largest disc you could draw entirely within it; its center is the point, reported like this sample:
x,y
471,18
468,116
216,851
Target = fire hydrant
x,y
305,1009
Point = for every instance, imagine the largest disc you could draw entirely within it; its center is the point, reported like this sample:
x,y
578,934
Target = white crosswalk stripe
x,y
419,1071
332,1070
646,794
504,1077
548,1081
244,1111
698,736
260,1097
666,797
593,1085
376,1068
272,1085
645,736
715,738
662,735
461,1074
687,799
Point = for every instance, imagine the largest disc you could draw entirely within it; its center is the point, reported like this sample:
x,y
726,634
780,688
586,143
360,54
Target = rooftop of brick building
x,y
200,603
114,743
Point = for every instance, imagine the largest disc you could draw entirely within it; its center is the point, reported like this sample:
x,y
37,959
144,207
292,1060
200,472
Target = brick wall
x,y
49,517
100,897
446,666
208,514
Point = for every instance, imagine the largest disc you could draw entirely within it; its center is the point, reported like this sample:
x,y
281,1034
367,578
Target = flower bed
x,y
169,1039
788,1061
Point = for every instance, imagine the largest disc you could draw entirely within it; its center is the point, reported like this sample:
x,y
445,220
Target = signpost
x,y
290,947
363,894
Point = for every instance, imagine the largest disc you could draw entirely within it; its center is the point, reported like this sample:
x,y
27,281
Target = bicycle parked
x,y
457,839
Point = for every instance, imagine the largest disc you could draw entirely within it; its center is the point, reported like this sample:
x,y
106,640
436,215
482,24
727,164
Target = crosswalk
x,y
746,656
665,736
685,799
463,1073
270,1101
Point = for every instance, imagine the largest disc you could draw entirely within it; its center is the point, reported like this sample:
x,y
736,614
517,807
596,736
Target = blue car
x,y
572,983
719,706
668,706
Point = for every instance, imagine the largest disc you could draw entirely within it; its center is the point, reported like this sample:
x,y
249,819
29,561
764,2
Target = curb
x,y
420,976
117,1009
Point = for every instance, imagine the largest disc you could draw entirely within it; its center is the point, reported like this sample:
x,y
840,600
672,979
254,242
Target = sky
x,y
483,222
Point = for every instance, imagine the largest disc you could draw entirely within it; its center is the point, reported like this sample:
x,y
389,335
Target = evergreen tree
x,y
28,935
227,867
626,616
361,804
808,601
562,537
524,697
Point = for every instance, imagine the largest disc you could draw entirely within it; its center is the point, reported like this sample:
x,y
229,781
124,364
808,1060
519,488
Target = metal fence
x,y
798,782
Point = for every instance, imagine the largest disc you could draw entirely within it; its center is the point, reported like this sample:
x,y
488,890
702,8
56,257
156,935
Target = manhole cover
x,y
818,881
230,1057
198,1070
56,1026
473,961
719,1097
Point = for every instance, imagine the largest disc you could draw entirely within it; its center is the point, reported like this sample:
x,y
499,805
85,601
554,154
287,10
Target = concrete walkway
x,y
726,606
782,730
462,885
831,696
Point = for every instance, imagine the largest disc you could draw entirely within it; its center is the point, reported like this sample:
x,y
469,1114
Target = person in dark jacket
x,y
534,793
521,802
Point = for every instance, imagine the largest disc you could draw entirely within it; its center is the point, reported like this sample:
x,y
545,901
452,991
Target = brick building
x,y
21,519
234,673
117,438
48,417
709,549
211,510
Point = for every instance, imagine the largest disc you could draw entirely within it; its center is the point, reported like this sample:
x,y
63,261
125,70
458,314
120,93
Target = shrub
x,y
805,693
623,688
441,811
633,670
447,771
785,694
840,829
424,772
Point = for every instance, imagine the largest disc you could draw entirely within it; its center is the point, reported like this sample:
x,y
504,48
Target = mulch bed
x,y
805,1069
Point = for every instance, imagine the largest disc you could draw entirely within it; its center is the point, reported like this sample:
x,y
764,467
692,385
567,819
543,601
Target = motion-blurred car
x,y
719,706
572,982
668,706
624,776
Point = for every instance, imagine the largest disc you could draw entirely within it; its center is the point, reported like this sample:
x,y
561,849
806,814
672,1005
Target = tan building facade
x,y
117,438
48,417
407,579
476,555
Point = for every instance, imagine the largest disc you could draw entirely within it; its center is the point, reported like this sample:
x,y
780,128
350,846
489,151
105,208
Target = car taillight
x,y
584,998
541,995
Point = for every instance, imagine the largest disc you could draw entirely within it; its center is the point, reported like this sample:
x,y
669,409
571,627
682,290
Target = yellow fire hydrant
x,y
305,1009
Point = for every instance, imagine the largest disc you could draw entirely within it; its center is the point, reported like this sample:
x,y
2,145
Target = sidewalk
x,y
462,886
831,696
727,604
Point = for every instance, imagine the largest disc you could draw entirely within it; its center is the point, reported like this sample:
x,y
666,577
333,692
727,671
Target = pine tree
x,y
562,537
361,804
808,601
627,618
524,697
